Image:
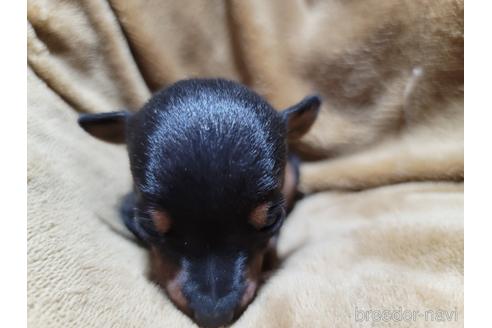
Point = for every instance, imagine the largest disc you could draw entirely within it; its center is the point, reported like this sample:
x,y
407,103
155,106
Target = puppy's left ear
x,y
109,127
300,117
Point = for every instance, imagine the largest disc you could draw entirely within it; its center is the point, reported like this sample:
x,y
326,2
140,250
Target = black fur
x,y
212,151
207,152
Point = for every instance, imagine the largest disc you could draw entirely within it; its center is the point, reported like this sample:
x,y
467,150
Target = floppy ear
x,y
301,116
108,127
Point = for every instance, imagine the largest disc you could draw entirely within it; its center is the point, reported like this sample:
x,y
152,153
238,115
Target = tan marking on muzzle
x,y
252,279
175,293
249,293
170,277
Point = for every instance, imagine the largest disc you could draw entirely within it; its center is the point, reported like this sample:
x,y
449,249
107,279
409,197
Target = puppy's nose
x,y
213,319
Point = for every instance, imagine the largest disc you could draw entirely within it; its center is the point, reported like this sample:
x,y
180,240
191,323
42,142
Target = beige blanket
x,y
380,244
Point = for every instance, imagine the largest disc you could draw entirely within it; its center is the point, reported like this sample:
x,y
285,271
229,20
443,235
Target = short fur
x,y
205,155
391,74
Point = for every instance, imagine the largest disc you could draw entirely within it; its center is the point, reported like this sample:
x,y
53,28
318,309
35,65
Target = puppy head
x,y
208,161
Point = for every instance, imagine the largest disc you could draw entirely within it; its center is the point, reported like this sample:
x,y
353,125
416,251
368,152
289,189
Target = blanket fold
x,y
384,232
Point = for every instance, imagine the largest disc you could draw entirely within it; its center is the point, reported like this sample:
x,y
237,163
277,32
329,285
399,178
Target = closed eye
x,y
152,226
274,220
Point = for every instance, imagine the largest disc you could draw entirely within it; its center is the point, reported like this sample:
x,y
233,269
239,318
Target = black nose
x,y
213,319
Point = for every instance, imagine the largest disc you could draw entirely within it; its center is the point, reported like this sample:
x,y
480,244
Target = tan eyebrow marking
x,y
258,216
161,220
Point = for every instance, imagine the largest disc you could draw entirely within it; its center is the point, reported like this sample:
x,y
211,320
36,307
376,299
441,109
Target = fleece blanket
x,y
378,238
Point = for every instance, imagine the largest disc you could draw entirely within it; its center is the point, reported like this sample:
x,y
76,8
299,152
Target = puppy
x,y
212,184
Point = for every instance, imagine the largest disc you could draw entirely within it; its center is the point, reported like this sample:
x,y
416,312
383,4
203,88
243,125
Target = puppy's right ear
x,y
109,127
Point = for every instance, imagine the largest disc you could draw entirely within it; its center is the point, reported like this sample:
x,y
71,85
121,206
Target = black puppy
x,y
208,159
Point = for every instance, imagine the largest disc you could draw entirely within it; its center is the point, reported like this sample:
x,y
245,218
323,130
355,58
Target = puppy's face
x,y
208,159
210,262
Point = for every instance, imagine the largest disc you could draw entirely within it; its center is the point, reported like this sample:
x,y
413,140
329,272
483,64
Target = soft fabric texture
x,y
384,231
